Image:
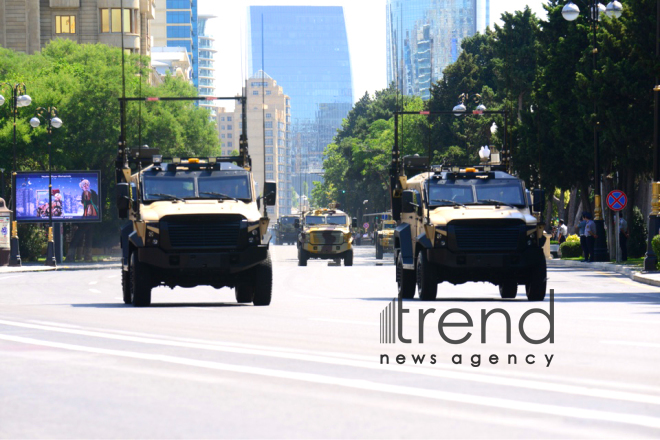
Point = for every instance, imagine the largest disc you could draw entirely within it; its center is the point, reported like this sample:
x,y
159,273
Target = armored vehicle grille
x,y
203,233
487,238
326,237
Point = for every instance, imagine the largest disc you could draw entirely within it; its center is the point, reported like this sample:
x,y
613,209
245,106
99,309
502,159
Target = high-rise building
x,y
424,37
205,65
306,49
28,25
268,110
176,26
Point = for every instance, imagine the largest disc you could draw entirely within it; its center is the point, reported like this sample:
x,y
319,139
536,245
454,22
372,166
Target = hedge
x,y
570,249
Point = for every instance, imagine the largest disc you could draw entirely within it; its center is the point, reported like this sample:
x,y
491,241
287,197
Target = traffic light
x,y
343,191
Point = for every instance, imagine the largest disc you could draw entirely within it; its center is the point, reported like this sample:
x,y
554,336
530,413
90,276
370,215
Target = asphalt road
x,y
75,362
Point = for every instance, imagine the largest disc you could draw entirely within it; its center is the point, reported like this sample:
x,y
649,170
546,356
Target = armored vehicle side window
x,y
183,187
287,220
232,186
314,220
389,226
336,220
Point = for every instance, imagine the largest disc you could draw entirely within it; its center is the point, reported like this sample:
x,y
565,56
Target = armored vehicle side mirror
x,y
539,200
135,203
408,201
270,191
354,222
123,199
296,223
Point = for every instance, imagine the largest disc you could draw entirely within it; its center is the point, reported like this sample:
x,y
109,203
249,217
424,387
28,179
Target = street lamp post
x,y
570,12
651,259
19,98
50,115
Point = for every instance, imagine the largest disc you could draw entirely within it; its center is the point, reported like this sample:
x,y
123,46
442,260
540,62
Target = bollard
x,y
5,216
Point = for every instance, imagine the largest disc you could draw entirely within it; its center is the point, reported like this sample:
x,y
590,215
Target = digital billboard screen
x,y
75,196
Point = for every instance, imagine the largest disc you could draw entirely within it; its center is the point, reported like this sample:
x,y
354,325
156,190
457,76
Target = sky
x,y
365,23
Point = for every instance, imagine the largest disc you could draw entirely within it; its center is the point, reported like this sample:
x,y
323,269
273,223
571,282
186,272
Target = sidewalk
x,y
39,267
633,272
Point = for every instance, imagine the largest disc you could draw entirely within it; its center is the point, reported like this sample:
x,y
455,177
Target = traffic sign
x,y
365,226
616,200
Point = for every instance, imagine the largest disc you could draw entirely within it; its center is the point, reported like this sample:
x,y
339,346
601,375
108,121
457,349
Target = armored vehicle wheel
x,y
379,251
244,293
427,282
140,282
348,258
302,257
536,286
508,290
263,282
405,280
126,286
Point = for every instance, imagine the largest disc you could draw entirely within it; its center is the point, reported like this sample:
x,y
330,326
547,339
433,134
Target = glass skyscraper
x,y
306,51
181,19
424,37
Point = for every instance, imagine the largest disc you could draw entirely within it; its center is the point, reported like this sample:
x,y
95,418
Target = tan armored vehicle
x,y
193,221
465,224
286,229
384,237
325,234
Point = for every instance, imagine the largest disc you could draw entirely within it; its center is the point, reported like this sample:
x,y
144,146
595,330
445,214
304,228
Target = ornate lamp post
x,y
19,98
50,115
570,12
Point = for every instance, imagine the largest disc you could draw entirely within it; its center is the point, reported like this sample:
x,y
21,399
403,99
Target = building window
x,y
280,151
267,92
222,135
269,167
269,141
281,168
222,118
269,158
178,4
269,124
269,132
178,31
229,144
229,127
281,176
178,17
268,115
222,127
65,24
255,92
111,20
228,135
228,118
269,150
180,43
259,84
269,176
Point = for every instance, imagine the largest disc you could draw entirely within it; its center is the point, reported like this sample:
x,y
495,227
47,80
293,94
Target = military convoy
x,y
464,224
325,234
193,221
384,240
286,232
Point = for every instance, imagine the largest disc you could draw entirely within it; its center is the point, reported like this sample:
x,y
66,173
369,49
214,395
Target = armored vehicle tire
x,y
140,282
379,251
508,290
263,282
244,293
405,280
348,258
427,282
302,257
126,286
536,287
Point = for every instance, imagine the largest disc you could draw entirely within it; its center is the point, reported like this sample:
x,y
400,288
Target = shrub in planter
x,y
32,241
638,236
656,245
573,237
570,249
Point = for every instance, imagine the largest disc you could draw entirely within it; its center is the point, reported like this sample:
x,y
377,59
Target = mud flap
x,y
403,234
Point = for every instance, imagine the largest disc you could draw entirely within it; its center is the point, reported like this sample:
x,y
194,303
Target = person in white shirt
x,y
562,232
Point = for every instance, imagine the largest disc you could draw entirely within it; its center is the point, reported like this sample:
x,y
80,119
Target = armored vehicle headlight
x,y
153,234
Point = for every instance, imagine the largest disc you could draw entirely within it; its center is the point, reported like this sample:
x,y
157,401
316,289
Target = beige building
x,y
268,142
28,25
173,61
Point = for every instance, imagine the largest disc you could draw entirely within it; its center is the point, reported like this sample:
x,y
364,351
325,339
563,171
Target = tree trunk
x,y
548,210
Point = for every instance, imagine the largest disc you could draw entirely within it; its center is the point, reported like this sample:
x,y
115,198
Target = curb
x,y
630,272
32,268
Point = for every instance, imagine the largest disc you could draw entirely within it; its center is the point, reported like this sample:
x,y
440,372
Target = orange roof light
x,y
193,160
470,170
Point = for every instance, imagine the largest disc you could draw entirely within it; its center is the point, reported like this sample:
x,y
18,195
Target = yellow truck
x,y
325,234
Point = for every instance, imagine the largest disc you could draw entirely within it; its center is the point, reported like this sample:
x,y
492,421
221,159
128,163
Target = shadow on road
x,y
157,305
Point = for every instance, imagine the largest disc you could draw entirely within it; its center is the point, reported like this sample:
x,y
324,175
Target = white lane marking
x,y
10,276
94,290
633,321
632,344
91,283
343,321
444,374
493,402
54,323
112,276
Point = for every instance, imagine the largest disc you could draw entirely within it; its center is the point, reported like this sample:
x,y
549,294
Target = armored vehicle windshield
x,y
476,192
202,184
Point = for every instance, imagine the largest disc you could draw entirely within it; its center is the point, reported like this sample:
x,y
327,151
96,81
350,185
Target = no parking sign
x,y
616,200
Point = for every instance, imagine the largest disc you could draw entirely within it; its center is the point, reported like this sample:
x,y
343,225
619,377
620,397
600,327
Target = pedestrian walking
x,y
583,237
624,233
590,231
562,231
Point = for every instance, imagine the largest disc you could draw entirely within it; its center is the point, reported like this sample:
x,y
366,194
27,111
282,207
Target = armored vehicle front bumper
x,y
231,261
